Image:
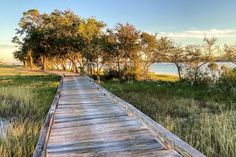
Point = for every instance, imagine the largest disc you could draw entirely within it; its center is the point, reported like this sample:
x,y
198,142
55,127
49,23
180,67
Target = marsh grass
x,y
162,77
24,100
203,117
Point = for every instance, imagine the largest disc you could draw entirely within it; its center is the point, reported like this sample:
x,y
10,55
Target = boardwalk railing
x,y
40,150
163,135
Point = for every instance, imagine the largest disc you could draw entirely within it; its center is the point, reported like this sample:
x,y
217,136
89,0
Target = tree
x,y
28,25
230,53
148,51
129,46
49,36
91,32
198,56
112,51
20,55
171,52
213,67
177,56
164,46
64,36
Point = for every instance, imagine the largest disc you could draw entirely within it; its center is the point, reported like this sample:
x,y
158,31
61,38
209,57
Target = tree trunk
x,y
91,69
118,64
75,69
51,65
137,69
63,66
25,63
80,62
179,71
43,60
197,72
195,76
72,67
145,69
30,59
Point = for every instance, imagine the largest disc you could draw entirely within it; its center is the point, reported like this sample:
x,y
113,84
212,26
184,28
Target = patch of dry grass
x,y
162,77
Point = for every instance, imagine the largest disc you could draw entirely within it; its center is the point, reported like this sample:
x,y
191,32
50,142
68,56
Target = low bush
x,y
126,74
228,79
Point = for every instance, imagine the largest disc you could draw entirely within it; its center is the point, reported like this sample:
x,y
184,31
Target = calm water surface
x,y
170,68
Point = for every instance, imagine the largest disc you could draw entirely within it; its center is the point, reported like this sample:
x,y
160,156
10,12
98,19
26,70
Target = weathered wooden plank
x,y
79,103
99,94
68,120
101,136
93,105
97,146
88,114
84,102
107,133
93,122
102,127
152,152
86,97
86,117
84,106
87,107
89,111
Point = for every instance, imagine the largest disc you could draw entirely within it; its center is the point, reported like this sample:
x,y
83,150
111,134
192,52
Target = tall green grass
x,y
203,117
24,101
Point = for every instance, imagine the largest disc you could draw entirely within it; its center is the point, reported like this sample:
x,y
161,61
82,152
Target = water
x,y
3,126
170,68
164,68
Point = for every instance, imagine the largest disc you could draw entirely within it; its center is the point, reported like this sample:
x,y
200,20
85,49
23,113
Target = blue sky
x,y
186,21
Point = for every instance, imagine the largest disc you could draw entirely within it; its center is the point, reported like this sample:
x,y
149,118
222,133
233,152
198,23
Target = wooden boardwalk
x,y
88,122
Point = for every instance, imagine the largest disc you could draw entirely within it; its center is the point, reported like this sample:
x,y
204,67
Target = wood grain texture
x,y
89,123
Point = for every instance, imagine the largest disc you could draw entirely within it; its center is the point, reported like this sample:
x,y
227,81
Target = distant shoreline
x,y
170,68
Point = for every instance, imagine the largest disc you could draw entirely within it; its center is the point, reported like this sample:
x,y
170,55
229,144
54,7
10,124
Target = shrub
x,y
112,74
228,78
128,74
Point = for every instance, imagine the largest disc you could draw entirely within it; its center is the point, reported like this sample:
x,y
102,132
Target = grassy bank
x,y
204,117
25,98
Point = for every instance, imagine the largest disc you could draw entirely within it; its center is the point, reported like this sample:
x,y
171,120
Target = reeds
x,y
24,102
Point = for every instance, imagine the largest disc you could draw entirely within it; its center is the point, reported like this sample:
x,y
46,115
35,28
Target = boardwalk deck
x,y
88,122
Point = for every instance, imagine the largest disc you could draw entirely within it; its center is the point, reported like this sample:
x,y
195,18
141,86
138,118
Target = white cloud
x,y
218,33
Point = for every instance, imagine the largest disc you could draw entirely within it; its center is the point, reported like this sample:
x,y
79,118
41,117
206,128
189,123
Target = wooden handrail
x,y
162,134
40,149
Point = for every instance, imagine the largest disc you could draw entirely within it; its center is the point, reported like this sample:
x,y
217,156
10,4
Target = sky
x,y
186,21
